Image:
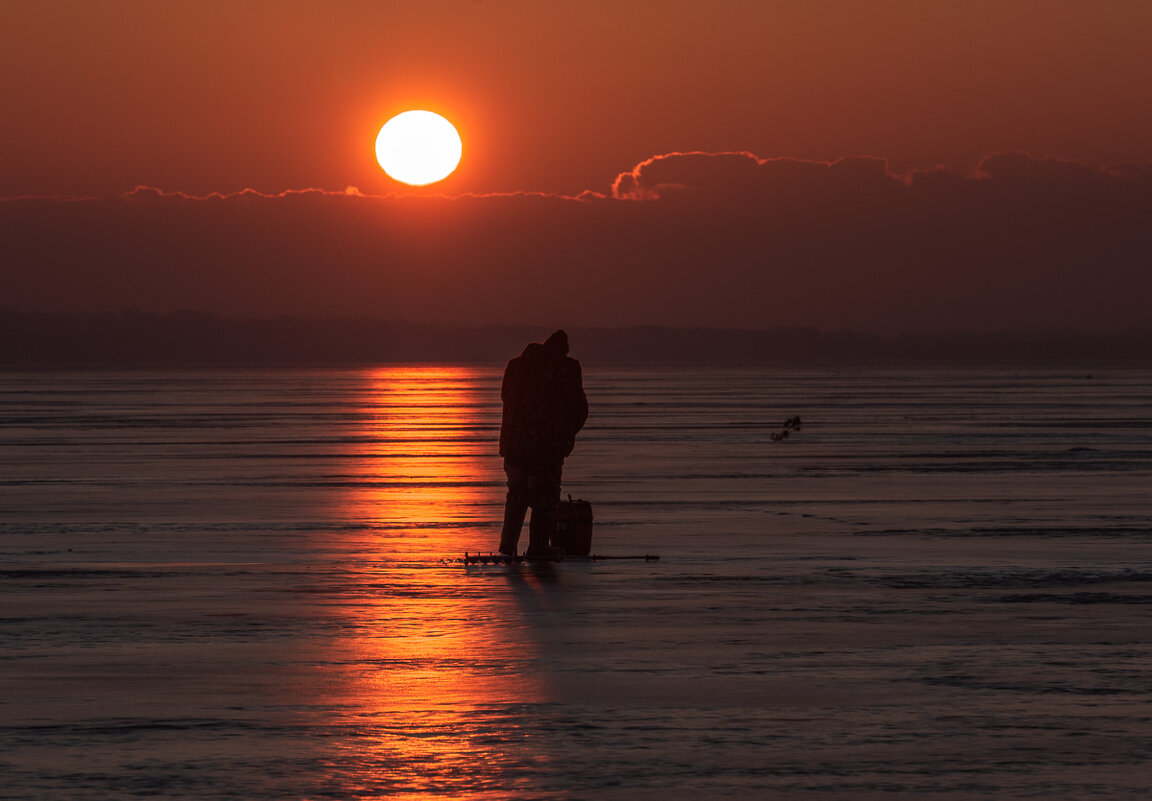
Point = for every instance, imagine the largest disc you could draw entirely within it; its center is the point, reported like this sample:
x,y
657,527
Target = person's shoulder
x,y
532,352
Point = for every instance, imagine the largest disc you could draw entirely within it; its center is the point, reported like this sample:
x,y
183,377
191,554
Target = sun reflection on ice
x,y
427,468
434,665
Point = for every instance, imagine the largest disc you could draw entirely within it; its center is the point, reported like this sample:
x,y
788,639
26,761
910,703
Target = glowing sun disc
x,y
418,148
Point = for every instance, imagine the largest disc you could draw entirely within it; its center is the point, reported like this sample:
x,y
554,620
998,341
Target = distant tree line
x,y
198,338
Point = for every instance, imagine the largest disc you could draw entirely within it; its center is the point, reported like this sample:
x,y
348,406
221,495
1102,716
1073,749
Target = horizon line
x,y
1113,169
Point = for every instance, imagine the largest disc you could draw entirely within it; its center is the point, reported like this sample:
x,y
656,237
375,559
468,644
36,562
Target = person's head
x,y
558,341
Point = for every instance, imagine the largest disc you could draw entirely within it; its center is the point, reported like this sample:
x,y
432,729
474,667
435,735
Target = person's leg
x,y
541,526
545,498
515,508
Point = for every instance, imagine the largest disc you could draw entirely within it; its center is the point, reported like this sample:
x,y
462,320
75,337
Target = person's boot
x,y
546,553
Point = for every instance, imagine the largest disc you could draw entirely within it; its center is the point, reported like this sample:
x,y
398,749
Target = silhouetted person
x,y
544,407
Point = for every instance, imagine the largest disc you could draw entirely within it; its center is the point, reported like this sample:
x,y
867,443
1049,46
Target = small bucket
x,y
573,527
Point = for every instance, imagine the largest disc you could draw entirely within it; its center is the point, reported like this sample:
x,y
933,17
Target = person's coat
x,y
544,407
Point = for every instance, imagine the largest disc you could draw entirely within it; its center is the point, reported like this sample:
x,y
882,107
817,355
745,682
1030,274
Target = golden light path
x,y
437,654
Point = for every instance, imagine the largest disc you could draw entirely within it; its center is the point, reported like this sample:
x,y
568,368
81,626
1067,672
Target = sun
x,y
418,148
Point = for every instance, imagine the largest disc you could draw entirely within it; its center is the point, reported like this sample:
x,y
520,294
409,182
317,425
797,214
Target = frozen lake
x,y
227,584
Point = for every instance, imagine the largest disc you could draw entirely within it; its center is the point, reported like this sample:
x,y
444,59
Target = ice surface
x,y
241,584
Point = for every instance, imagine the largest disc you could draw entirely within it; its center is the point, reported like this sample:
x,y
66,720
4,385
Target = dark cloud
x,y
723,239
744,173
1032,173
696,171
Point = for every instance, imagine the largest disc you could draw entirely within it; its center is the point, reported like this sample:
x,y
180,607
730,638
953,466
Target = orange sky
x,y
1034,111
218,95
